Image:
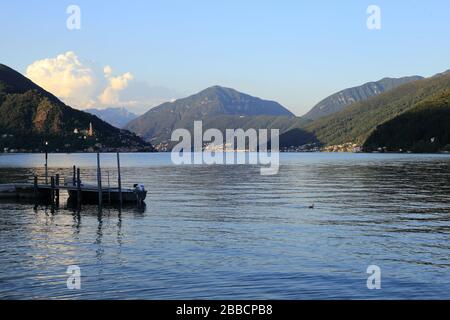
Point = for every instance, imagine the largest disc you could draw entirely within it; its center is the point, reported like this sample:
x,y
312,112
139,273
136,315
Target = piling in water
x,y
46,167
57,189
99,181
119,179
78,187
35,187
52,192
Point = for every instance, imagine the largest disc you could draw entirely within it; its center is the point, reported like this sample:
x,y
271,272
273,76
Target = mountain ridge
x,y
157,124
32,115
356,122
423,128
117,117
341,99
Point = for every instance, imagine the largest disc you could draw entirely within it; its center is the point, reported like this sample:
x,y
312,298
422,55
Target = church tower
x,y
91,130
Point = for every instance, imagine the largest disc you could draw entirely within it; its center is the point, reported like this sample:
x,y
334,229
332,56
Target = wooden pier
x,y
80,193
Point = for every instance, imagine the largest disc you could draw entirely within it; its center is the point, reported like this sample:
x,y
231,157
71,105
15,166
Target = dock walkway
x,y
81,193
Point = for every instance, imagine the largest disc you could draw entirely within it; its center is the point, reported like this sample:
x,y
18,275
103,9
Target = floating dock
x,y
88,193
77,191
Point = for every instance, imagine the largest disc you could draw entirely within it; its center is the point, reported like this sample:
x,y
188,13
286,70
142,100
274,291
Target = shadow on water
x,y
137,208
73,223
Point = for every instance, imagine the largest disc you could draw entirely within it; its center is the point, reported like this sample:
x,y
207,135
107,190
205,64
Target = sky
x,y
138,54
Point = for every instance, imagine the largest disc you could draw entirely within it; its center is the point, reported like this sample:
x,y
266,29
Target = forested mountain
x,y
30,116
423,128
358,121
346,97
217,107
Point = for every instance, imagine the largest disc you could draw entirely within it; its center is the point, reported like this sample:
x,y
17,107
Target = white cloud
x,y
120,82
83,85
66,77
107,70
111,94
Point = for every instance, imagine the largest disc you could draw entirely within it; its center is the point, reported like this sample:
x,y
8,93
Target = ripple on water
x,y
225,232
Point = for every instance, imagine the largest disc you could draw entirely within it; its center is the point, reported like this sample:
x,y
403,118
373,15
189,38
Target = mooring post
x,y
109,189
99,181
119,179
52,192
35,187
46,166
57,188
74,181
78,188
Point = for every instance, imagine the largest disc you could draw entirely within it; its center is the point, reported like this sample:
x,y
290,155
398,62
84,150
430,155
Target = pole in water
x,y
74,178
119,179
52,191
78,188
99,181
46,163
109,189
57,189
35,187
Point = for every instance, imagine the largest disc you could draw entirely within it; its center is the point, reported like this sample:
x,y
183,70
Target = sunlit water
x,y
226,232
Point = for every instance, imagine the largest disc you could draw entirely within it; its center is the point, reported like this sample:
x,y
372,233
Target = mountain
x,y
442,73
424,128
217,106
296,137
282,123
340,100
358,121
118,117
30,116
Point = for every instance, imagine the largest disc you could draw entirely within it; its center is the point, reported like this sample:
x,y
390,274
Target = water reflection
x,y
98,242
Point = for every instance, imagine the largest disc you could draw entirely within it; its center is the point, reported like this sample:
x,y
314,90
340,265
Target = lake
x,y
227,232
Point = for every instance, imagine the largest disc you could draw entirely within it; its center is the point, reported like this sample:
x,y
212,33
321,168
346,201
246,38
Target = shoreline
x,y
168,152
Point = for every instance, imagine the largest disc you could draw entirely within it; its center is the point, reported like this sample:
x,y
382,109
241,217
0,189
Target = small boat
x,y
89,194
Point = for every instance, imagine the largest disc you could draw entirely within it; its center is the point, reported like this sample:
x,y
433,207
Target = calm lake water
x,y
226,232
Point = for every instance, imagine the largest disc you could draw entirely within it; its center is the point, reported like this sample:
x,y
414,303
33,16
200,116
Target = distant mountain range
x,y
30,116
411,114
118,117
391,111
344,98
340,121
217,107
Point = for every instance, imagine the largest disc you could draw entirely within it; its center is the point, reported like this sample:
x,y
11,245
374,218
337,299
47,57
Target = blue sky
x,y
294,52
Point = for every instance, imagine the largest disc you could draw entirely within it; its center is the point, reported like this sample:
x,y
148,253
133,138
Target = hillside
x,y
117,117
358,121
424,128
346,97
217,107
31,116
